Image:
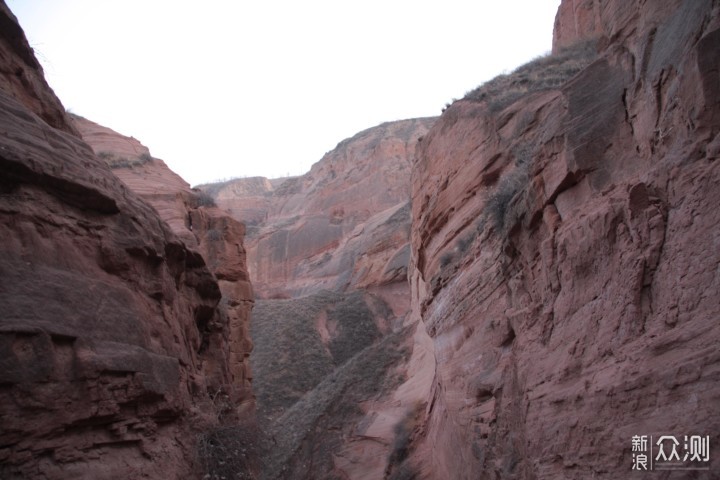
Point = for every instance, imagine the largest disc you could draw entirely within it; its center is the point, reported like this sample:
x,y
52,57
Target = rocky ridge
x,y
194,218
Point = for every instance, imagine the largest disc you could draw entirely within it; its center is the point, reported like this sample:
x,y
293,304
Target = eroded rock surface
x,y
564,256
192,217
343,225
111,340
328,252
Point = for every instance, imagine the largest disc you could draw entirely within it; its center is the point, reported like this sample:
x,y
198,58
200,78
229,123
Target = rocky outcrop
x,y
22,77
564,260
194,219
343,225
112,345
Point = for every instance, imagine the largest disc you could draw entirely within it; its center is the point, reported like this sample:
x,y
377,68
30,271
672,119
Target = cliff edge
x,y
564,260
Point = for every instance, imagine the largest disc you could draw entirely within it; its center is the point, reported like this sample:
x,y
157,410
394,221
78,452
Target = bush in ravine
x,y
398,467
232,452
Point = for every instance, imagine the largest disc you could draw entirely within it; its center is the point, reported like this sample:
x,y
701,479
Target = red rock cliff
x,y
202,227
329,355
112,345
344,224
564,253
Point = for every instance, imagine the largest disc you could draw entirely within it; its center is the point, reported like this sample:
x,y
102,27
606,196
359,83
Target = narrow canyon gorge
x,y
524,287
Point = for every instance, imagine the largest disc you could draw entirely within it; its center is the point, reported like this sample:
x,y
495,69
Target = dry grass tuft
x,y
116,161
232,452
544,73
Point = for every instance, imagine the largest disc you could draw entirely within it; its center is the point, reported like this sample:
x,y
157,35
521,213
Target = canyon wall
x,y
343,225
113,347
202,226
558,227
328,256
564,252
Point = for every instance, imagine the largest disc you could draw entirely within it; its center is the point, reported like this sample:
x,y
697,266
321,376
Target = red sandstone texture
x,y
343,225
22,76
565,257
328,252
202,227
115,355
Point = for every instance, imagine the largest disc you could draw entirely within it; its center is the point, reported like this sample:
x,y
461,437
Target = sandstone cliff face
x,y
564,256
344,224
202,227
112,344
328,253
22,76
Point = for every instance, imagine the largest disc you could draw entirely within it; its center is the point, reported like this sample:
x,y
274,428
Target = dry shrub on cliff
x,y
355,327
398,468
232,452
116,161
202,199
289,356
446,259
498,205
543,73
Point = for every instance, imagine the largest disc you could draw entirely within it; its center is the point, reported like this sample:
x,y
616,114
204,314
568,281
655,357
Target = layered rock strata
x,y
194,218
343,225
564,259
328,253
111,340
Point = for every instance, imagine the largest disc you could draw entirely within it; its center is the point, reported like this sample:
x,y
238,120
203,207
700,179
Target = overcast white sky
x,y
225,88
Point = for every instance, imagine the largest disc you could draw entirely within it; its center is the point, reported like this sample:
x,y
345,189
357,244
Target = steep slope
x,y
194,218
111,340
564,254
328,252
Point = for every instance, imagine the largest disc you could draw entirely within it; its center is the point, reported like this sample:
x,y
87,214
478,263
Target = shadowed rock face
x,y
112,344
564,256
202,227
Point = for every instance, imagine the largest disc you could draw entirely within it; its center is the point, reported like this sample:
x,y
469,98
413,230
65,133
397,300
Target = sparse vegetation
x,y
498,204
116,161
213,188
309,387
404,430
464,242
312,429
202,199
445,259
543,73
214,235
355,327
404,472
232,452
289,357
